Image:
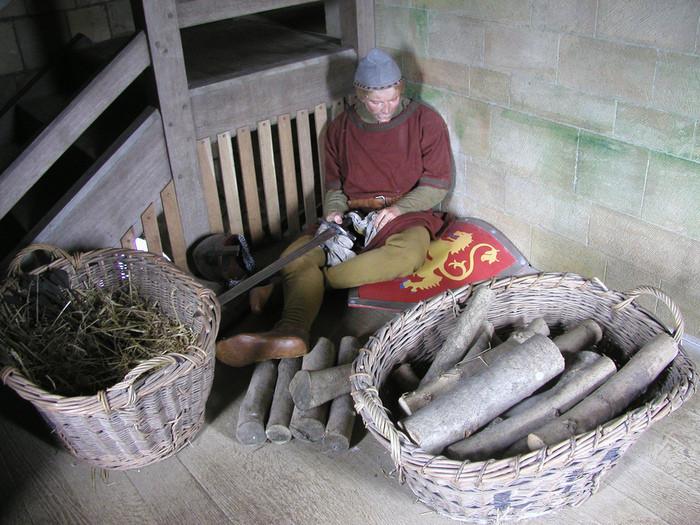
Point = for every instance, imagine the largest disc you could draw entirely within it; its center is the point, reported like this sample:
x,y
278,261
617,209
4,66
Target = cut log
x,y
342,415
511,378
482,342
405,378
277,429
464,333
424,394
250,428
581,360
613,397
585,334
310,425
565,394
312,388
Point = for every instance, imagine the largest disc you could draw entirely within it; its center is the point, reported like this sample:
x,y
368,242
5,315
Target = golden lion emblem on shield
x,y
434,271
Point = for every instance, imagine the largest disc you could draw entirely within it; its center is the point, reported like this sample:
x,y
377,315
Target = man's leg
x,y
302,282
403,254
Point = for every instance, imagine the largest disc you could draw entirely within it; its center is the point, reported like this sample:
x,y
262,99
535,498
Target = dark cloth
x,y
366,160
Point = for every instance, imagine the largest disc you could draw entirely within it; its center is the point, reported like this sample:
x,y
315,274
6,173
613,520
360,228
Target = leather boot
x,y
283,341
259,296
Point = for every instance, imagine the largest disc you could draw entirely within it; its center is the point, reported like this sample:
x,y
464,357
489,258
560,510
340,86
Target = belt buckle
x,y
383,205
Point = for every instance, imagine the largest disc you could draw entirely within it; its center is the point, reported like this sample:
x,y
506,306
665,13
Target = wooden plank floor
x,y
218,480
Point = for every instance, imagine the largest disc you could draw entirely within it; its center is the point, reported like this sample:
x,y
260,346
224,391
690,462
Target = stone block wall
x,y
33,31
575,129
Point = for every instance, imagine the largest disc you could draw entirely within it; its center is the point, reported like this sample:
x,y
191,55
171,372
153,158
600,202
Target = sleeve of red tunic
x,y
332,153
435,146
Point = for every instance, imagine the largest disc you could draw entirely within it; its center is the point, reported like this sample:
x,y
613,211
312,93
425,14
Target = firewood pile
x,y
302,398
514,397
480,397
484,398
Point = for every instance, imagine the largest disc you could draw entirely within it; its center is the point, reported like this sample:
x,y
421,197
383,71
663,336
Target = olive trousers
x,y
305,279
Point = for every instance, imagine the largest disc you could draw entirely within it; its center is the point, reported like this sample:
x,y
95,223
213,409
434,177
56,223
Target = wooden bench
x,y
264,182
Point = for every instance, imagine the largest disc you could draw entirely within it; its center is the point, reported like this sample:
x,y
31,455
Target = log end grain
x,y
278,434
335,443
300,389
251,433
307,429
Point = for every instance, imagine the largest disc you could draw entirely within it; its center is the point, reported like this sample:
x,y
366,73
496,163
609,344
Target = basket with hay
x,y
115,349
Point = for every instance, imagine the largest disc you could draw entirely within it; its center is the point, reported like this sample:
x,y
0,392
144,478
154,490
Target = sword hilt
x,y
340,229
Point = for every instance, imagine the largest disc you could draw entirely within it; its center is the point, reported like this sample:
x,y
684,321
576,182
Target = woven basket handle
x,y
196,357
15,267
679,324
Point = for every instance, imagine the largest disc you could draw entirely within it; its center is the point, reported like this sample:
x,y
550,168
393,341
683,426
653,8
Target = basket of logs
x,y
113,347
510,398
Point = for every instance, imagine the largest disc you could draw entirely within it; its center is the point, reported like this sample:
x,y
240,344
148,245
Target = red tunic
x,y
390,159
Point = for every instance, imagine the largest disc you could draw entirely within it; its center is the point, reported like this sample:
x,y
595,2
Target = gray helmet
x,y
377,71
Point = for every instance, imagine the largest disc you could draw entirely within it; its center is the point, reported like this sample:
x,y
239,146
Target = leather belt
x,y
378,202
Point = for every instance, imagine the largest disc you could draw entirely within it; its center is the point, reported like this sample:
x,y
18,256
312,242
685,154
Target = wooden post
x,y
312,388
342,415
250,429
489,441
277,429
310,425
612,397
511,378
161,22
463,335
426,393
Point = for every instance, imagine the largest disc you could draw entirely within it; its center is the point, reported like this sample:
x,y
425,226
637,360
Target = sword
x,y
270,270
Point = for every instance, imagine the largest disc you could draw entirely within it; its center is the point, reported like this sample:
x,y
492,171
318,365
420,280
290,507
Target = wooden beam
x,y
357,25
110,197
196,12
211,193
151,232
252,98
229,183
82,111
289,175
160,17
250,184
320,121
269,179
171,209
306,165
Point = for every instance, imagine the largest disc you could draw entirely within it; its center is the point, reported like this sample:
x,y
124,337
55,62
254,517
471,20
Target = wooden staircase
x,y
234,149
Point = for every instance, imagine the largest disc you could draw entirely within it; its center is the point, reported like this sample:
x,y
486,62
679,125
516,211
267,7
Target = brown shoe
x,y
283,341
259,296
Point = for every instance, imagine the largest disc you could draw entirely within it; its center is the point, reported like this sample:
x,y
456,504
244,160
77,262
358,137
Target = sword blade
x,y
272,269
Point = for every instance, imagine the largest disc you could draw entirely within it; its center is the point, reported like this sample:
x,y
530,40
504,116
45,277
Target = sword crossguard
x,y
340,229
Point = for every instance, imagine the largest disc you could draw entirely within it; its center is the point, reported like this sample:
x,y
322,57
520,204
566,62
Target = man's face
x,y
382,104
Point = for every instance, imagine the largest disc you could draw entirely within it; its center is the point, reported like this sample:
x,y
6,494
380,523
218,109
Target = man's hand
x,y
385,216
335,217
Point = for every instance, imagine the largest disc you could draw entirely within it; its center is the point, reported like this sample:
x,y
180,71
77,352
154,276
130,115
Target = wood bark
x,y
613,397
586,333
511,378
424,394
489,441
462,336
582,360
342,415
482,342
310,425
282,407
250,428
312,388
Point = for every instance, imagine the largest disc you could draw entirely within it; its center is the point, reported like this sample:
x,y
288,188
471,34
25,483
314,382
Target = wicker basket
x,y
531,484
159,405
